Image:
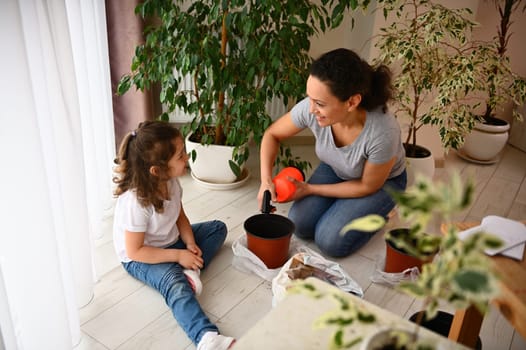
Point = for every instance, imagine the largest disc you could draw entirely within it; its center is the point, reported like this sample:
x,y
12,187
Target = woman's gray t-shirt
x,y
378,142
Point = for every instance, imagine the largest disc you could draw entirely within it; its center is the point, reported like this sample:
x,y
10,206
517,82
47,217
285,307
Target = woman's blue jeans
x,y
169,280
322,218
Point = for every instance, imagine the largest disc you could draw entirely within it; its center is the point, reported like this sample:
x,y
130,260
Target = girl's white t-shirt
x,y
160,228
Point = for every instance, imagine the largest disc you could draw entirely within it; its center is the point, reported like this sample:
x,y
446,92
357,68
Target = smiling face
x,y
179,160
327,108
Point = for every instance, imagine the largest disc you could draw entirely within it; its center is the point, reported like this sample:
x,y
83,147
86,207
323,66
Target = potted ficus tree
x,y
428,47
502,85
238,55
460,274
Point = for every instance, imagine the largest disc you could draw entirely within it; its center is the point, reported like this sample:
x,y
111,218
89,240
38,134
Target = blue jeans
x,y
321,218
169,280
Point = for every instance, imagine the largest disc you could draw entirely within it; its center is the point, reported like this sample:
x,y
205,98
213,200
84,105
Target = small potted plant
x,y
502,86
238,55
460,274
427,45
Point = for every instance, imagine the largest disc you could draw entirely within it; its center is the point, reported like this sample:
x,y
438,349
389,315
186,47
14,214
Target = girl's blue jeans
x,y
321,218
169,280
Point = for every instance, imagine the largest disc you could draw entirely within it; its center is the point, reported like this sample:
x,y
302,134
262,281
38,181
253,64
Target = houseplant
x,y
238,54
428,46
461,272
502,86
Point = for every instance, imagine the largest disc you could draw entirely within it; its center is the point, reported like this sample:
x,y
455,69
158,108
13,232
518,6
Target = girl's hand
x,y
189,260
194,248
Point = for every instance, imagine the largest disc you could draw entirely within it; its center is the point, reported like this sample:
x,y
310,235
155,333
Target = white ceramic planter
x,y
211,163
484,143
419,165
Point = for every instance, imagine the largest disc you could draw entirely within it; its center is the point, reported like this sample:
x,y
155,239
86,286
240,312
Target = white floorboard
x,y
124,314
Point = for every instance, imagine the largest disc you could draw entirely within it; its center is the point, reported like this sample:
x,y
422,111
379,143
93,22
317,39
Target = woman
x,y
359,146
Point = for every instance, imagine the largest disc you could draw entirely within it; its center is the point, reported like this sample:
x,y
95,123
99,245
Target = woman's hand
x,y
267,185
302,189
190,260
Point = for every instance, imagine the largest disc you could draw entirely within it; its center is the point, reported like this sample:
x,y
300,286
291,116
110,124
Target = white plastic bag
x,y
393,279
324,269
246,261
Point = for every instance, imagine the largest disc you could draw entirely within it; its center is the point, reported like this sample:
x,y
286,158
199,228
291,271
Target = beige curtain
x,y
124,34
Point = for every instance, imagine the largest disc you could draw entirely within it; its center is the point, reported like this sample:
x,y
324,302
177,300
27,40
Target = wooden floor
x,y
125,314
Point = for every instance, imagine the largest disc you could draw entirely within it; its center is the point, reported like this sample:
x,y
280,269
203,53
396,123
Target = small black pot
x,y
440,324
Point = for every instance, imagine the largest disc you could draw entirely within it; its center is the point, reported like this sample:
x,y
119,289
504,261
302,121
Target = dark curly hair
x,y
151,144
346,74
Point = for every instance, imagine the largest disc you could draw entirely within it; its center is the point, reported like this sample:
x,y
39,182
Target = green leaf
x,y
472,281
366,318
235,168
369,223
412,289
124,85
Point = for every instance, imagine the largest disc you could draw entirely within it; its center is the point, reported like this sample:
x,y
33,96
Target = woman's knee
x,y
302,228
338,246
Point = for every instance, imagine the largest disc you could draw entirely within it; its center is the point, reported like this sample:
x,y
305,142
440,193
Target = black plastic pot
x,y
440,324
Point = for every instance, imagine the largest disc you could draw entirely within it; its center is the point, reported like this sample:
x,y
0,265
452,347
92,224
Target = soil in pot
x,y
397,260
388,339
416,151
494,121
268,236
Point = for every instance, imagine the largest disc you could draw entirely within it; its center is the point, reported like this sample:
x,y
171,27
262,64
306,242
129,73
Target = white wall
x,y
487,16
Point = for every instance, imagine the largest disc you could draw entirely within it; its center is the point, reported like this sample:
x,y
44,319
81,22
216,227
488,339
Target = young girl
x,y
358,143
152,234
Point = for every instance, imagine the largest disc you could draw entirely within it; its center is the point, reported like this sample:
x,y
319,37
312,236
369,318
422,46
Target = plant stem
x,y
221,98
503,38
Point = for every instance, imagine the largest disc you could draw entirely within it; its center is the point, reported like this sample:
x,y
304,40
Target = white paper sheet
x,y
512,233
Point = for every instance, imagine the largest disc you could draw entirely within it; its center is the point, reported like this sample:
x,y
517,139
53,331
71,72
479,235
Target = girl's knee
x,y
173,285
220,228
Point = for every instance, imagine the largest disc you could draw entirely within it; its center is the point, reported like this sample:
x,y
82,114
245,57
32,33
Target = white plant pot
x,y
485,142
423,165
211,163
